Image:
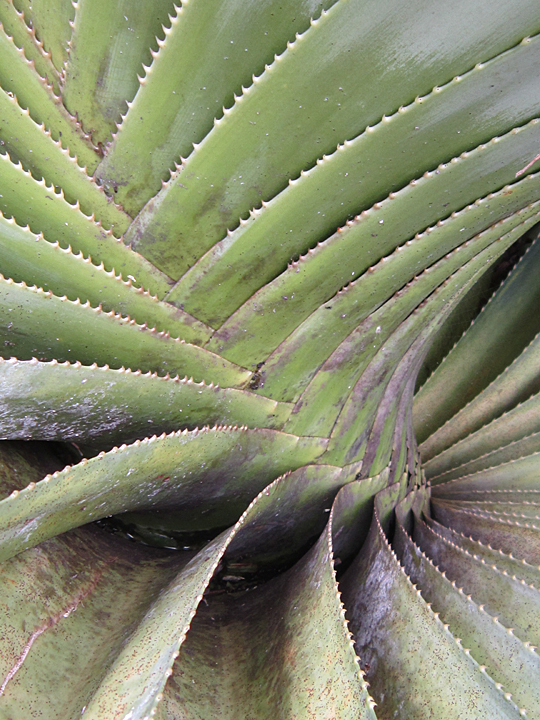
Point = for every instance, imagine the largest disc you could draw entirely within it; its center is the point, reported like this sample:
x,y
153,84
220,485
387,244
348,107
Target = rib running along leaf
x,y
512,511
459,320
514,433
515,566
503,534
518,474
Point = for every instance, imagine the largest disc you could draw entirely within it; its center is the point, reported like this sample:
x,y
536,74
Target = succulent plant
x,y
235,238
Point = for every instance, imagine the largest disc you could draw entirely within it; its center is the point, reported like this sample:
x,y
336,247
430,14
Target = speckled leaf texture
x,y
269,360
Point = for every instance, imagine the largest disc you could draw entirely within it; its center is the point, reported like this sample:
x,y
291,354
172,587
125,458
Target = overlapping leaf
x,y
241,228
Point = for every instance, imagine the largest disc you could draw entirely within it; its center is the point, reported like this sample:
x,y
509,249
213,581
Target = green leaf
x,y
378,344
408,677
39,324
520,474
145,630
51,401
27,143
292,365
17,76
516,537
173,110
352,513
25,462
503,447
46,211
359,173
14,26
51,21
283,648
514,603
506,658
155,643
100,75
514,385
222,468
292,513
27,257
514,566
284,226
69,608
252,152
425,205
507,324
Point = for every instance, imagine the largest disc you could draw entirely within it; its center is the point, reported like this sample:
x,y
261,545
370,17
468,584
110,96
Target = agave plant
x,y
235,237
